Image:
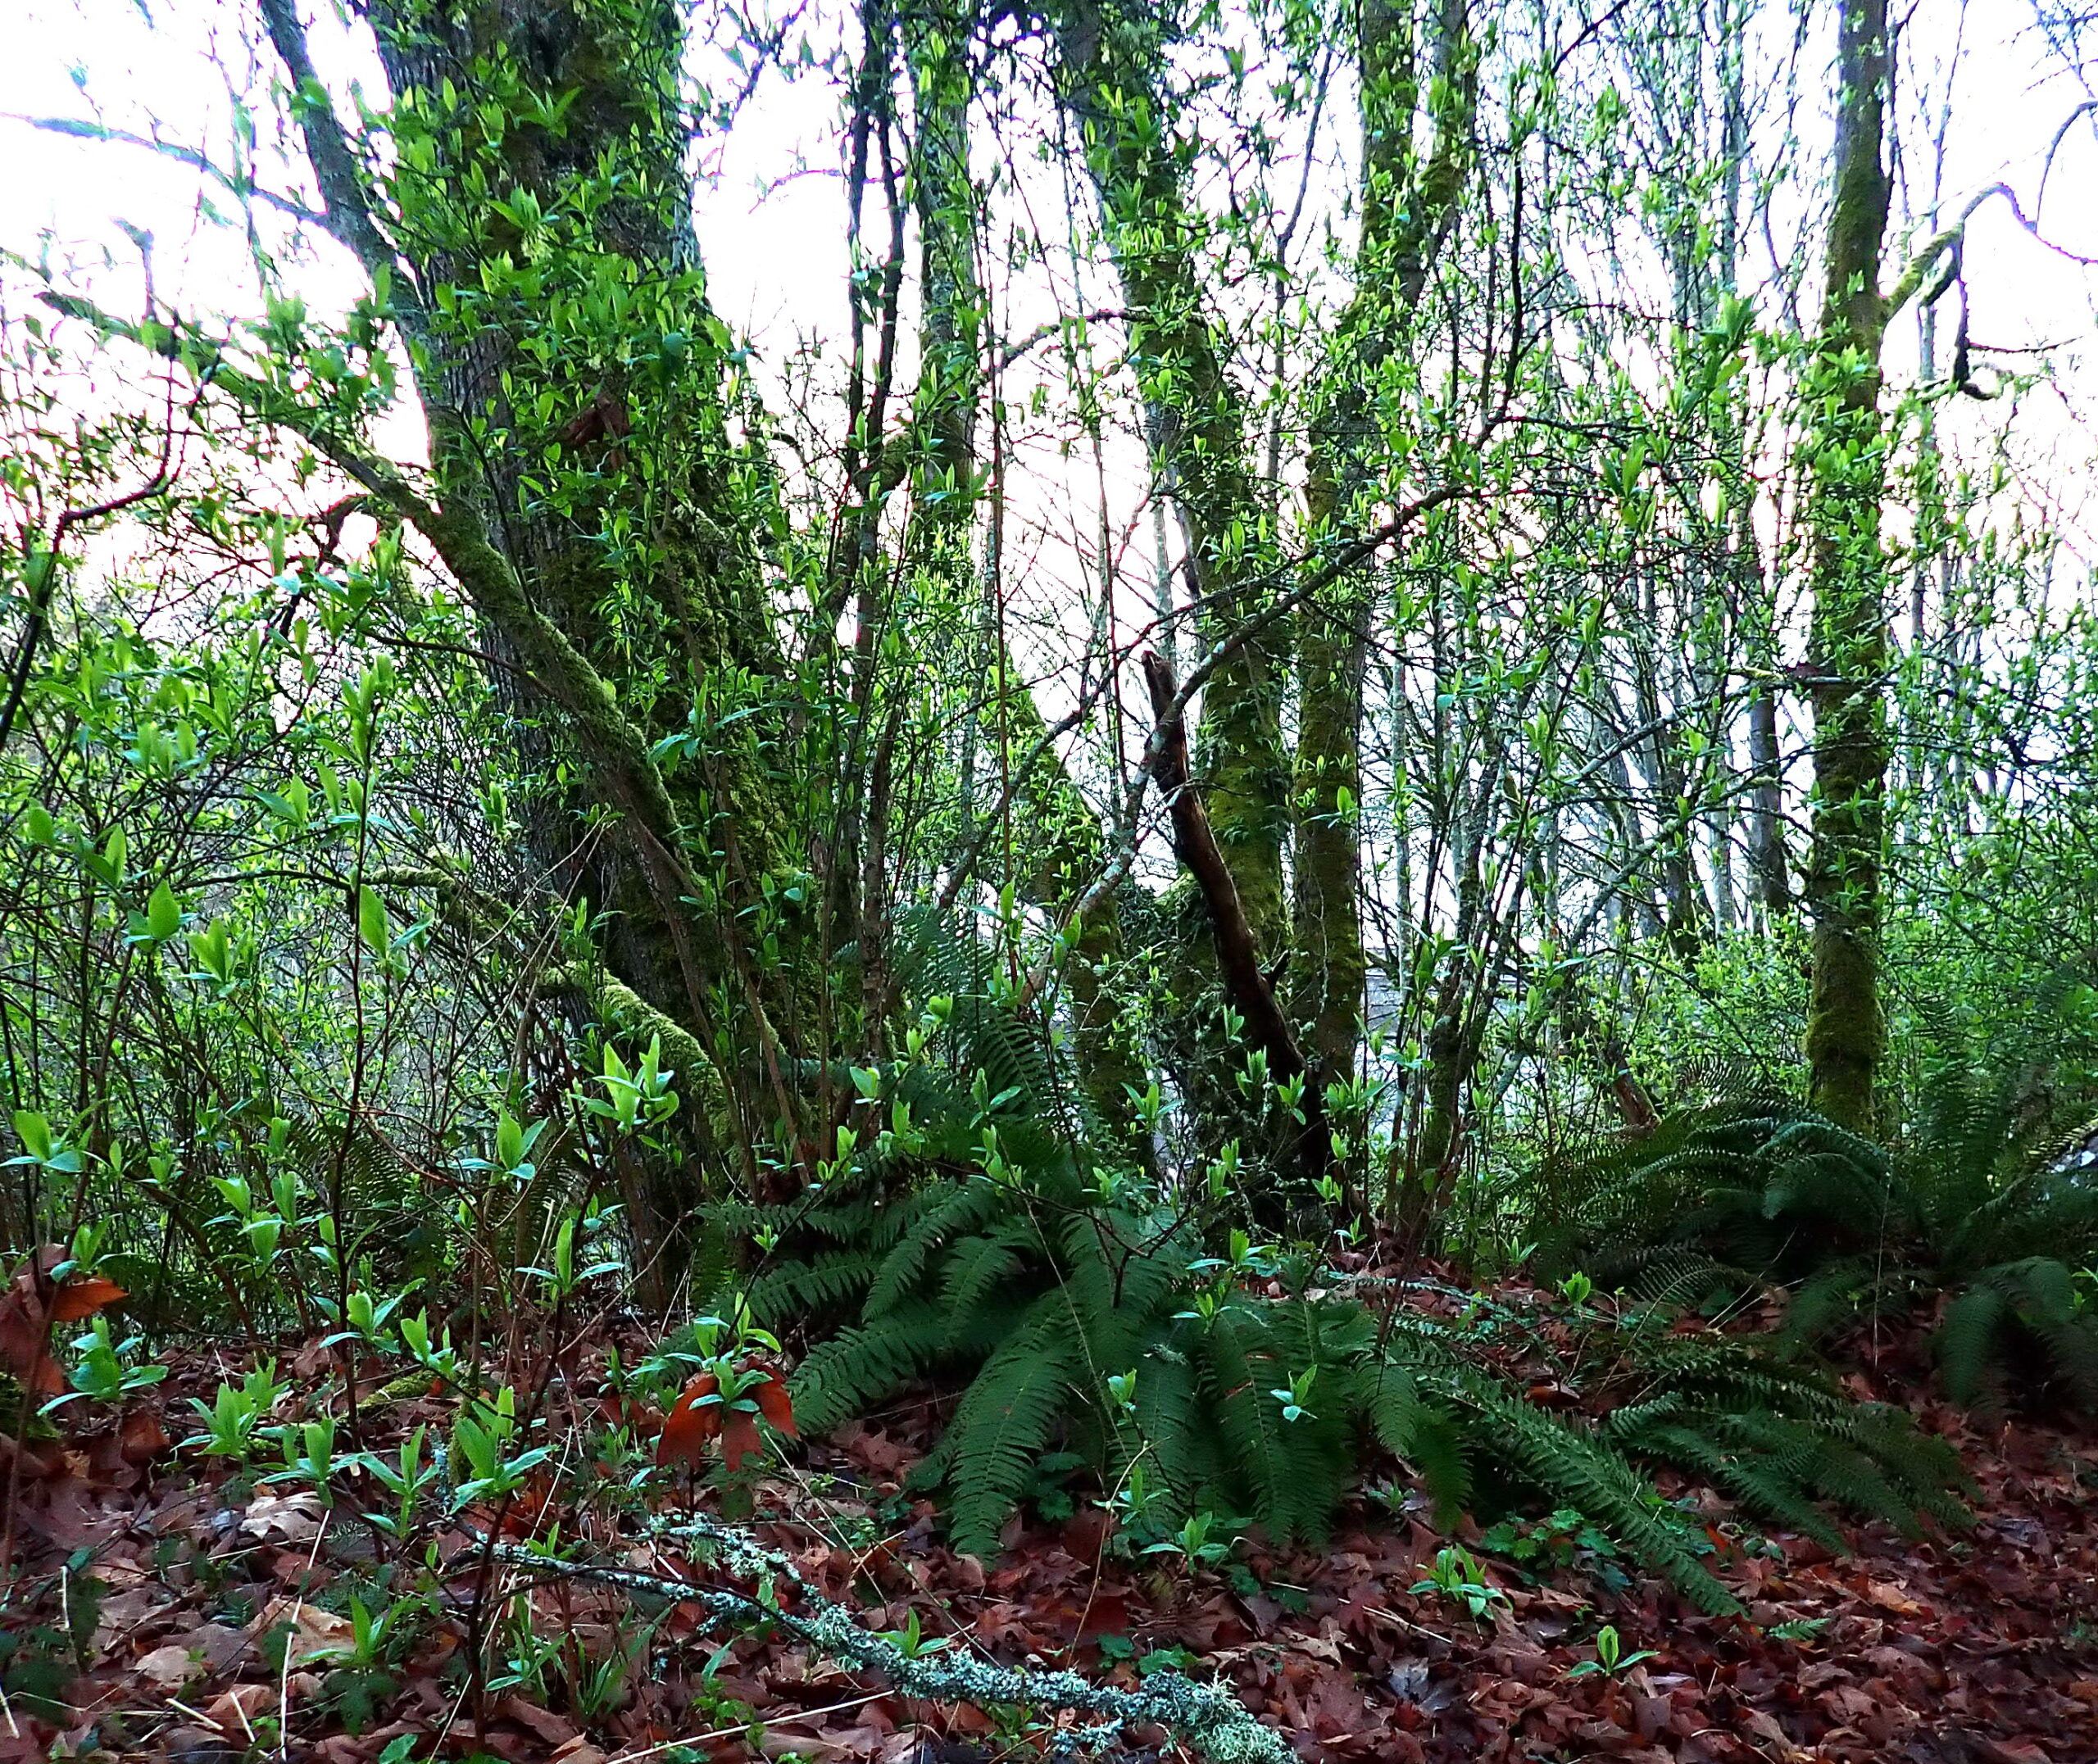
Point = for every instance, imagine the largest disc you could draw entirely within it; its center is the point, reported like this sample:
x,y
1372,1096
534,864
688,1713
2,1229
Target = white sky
x,y
775,244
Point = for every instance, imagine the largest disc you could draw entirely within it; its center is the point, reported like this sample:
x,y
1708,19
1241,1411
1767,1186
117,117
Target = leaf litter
x,y
164,1609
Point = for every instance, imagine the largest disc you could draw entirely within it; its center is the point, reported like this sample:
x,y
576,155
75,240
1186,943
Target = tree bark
x,y
532,239
1063,844
1846,1023
1408,206
1245,982
1111,55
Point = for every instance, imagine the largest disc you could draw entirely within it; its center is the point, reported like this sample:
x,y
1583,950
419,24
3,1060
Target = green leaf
x,y
372,925
34,1132
163,914
212,949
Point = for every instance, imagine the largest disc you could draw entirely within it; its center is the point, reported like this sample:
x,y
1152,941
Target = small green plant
x,y
1192,1542
309,1456
1610,1657
1460,1578
1561,1539
562,1276
482,1436
1296,1398
637,1098
911,1641
407,1479
106,1371
235,1418
530,1656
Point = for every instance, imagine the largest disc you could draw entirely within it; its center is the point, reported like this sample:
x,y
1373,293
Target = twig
x,y
744,1727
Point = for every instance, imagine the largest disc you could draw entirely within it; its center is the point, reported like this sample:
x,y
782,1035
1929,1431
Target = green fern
x,y
828,1282
1577,1470
1048,1293
1038,1297
1974,1202
1007,1419
861,1367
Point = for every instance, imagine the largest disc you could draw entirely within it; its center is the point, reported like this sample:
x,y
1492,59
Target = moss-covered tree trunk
x,y
1408,201
1111,59
1060,850
1846,1023
530,232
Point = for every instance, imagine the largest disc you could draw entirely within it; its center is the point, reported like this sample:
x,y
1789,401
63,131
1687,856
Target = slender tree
x,y
1846,1025
1407,203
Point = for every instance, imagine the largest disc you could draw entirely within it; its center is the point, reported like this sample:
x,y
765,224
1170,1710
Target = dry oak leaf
x,y
170,1667
699,1415
284,1518
236,1709
316,1635
556,1730
693,1420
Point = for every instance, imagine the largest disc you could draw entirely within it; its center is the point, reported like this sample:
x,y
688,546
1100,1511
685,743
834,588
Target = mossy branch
x,y
617,752
1207,1718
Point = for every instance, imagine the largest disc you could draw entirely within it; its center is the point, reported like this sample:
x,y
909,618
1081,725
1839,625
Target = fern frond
x,y
1005,1423
1412,1426
1293,1471
979,1269
853,1371
1966,1341
941,1215
1168,1401
828,1284
1572,1469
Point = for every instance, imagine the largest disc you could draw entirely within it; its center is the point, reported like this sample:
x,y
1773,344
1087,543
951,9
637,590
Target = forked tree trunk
x,y
533,237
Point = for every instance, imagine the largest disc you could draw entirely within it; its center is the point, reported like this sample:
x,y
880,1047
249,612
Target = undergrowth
x,y
1978,1214
975,1241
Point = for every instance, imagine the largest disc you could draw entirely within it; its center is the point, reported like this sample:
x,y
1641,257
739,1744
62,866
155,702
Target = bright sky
x,y
774,243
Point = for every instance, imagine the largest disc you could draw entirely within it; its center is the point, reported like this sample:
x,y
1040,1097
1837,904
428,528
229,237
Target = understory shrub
x,y
975,1241
1985,1209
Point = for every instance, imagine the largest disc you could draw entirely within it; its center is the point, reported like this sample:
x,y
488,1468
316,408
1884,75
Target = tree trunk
x,y
1111,56
532,238
1845,1025
1063,844
1408,206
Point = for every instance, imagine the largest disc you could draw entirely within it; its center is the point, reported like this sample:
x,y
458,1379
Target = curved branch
x,y
1950,237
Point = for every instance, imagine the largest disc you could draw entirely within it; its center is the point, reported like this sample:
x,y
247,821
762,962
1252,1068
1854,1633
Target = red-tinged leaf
x,y
82,1298
739,1438
776,1406
691,1423
140,1437
24,1351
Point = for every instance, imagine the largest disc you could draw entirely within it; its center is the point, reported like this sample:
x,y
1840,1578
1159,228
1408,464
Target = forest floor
x,y
163,1613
